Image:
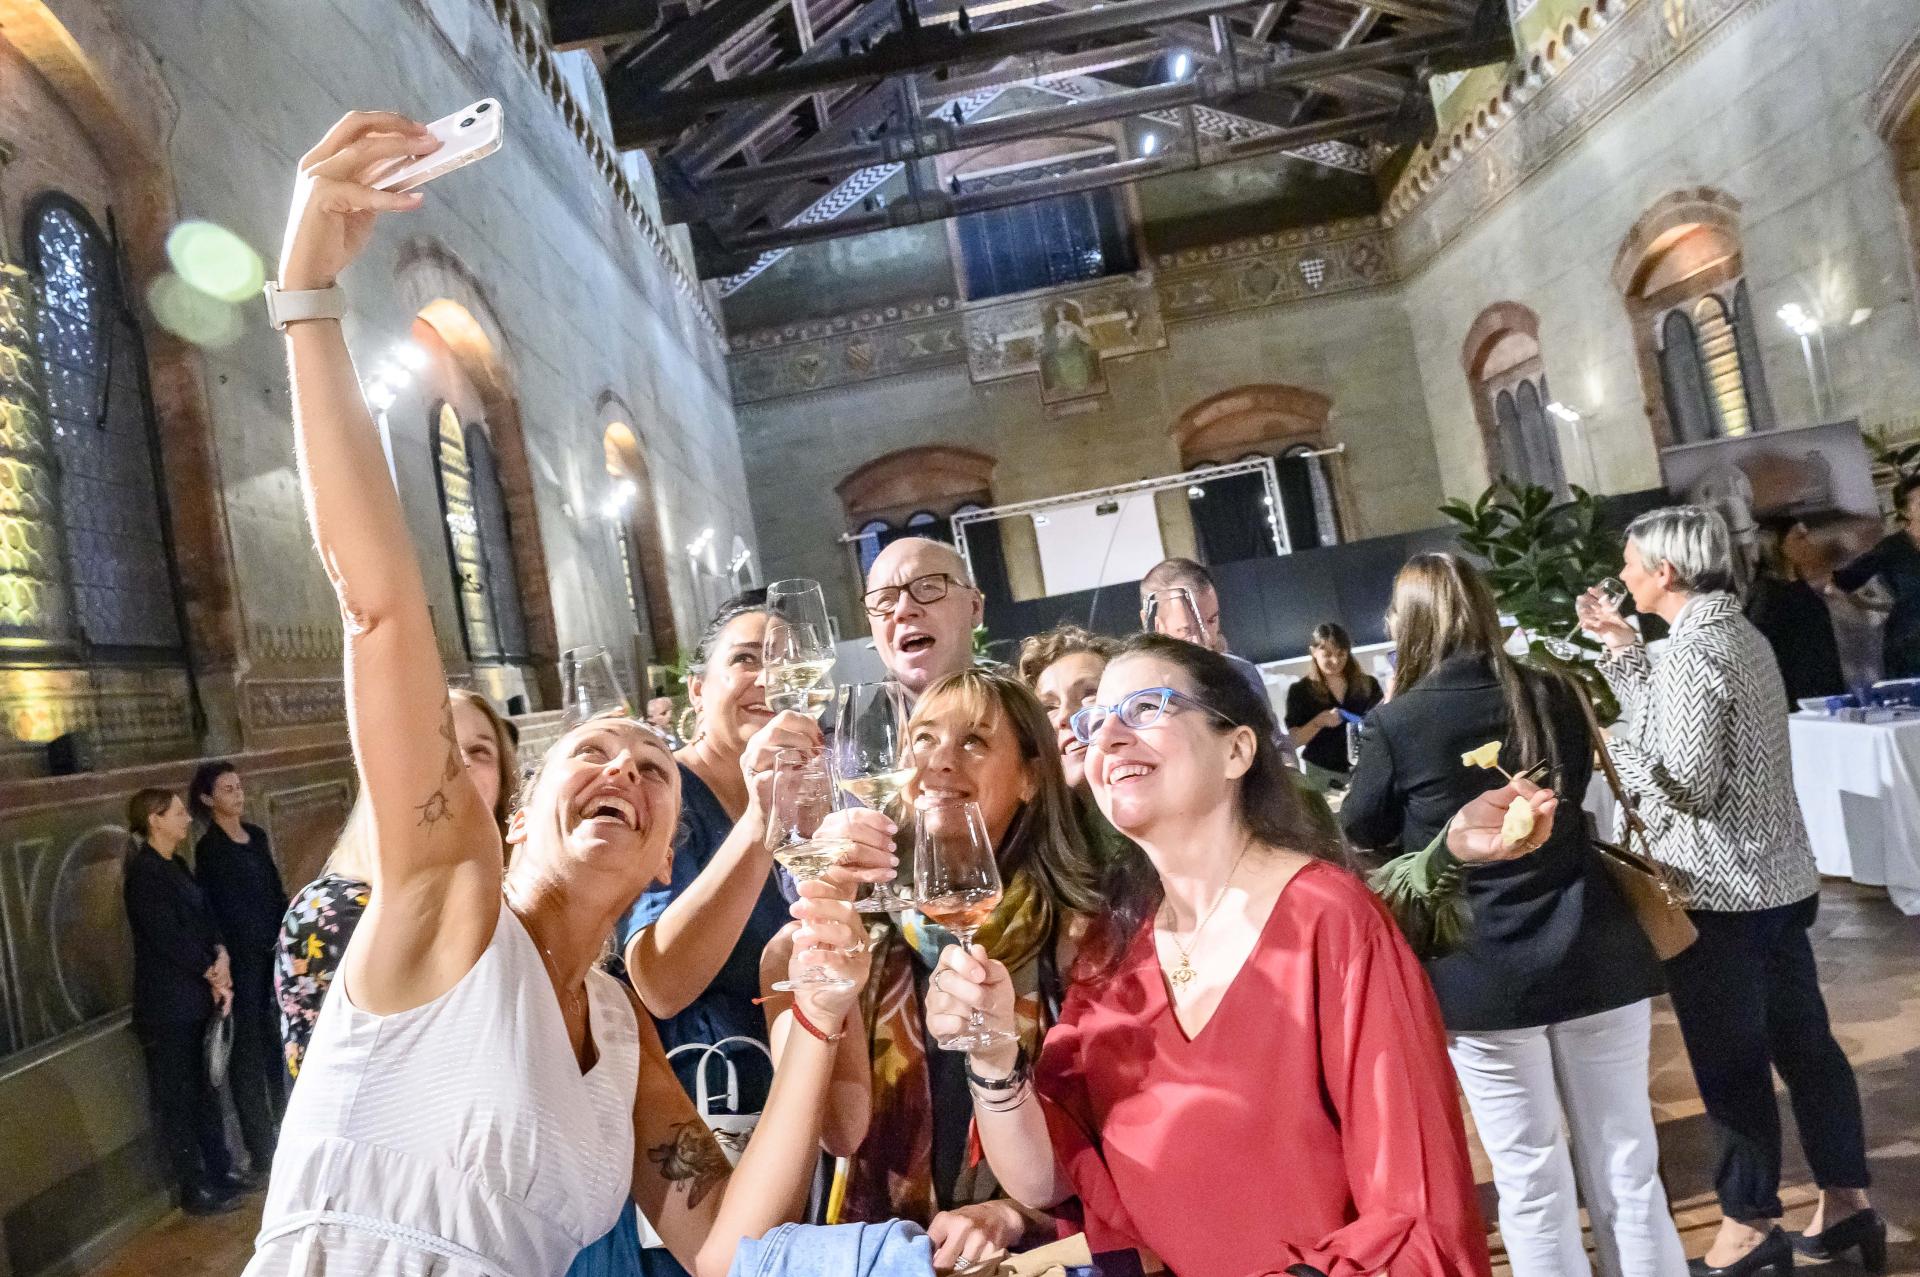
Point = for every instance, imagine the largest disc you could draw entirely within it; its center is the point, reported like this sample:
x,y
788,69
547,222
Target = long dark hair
x,y
1266,800
200,788
1333,634
1049,835
1442,608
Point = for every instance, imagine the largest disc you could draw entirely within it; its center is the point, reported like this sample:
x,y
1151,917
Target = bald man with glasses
x,y
922,607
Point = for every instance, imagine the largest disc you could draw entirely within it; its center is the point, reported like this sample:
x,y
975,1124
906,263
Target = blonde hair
x,y
352,854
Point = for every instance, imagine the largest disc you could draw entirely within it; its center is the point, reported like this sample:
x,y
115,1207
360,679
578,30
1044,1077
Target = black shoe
x,y
209,1201
1863,1229
250,1181
1776,1252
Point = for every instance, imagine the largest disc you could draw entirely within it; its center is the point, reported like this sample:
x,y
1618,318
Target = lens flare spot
x,y
192,315
216,261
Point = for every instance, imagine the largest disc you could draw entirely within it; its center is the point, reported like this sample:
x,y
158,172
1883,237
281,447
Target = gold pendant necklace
x,y
1183,974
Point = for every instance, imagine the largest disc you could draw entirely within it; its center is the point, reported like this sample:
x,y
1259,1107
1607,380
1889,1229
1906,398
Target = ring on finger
x,y
934,983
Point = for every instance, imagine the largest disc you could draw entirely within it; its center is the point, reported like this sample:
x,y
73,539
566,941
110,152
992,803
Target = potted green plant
x,y
1539,555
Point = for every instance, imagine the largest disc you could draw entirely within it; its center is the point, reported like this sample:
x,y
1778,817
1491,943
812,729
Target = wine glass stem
x,y
976,1018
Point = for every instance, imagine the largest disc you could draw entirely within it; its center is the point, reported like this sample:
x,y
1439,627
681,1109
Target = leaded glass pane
x,y
109,501
463,535
502,579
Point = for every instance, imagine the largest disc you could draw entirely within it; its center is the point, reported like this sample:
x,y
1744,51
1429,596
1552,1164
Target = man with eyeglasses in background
x,y
922,606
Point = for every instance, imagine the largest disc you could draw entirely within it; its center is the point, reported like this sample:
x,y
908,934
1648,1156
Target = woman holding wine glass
x,y
976,738
1243,1005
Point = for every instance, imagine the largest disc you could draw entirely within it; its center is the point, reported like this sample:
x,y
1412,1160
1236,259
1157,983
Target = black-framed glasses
x,y
1138,710
930,588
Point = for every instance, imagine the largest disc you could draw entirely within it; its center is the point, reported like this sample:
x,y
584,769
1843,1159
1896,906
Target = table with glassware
x,y
1859,788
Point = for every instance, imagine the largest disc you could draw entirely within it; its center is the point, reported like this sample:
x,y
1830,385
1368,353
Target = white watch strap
x,y
290,306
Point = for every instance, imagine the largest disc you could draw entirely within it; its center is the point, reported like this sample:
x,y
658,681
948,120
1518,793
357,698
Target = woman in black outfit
x,y
1896,562
235,866
1794,620
179,984
1334,682
1548,1007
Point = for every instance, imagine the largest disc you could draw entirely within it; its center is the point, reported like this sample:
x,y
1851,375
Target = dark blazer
x,y
1798,627
1553,939
244,890
174,940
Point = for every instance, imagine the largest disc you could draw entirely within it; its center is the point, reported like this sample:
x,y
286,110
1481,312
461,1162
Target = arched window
x,y
477,541
1508,376
93,369
1233,517
1681,273
913,492
869,539
642,544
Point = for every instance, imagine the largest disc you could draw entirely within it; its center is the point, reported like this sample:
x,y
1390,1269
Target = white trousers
x,y
1563,1113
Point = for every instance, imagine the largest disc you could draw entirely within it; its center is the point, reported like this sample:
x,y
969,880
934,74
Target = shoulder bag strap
x,y
1634,824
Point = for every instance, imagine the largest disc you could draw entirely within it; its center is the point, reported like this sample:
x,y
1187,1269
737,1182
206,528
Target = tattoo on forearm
x,y
692,1158
448,735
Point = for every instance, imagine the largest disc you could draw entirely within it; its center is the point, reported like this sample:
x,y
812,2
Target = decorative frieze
x,y
294,702
1273,269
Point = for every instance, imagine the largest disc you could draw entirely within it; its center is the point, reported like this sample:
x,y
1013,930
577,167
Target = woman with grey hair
x,y
1705,761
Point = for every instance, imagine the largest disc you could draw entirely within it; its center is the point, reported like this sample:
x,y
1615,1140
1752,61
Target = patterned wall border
x,y
294,702
1443,195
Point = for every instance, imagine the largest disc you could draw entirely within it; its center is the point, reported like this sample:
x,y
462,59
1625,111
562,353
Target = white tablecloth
x,y
1859,786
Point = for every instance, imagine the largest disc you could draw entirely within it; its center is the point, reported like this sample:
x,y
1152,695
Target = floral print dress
x,y
313,936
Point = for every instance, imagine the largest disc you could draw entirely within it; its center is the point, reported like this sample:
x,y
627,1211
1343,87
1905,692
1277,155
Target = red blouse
x,y
1313,1120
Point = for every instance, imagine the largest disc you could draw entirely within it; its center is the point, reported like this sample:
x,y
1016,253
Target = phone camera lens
x,y
483,108
468,123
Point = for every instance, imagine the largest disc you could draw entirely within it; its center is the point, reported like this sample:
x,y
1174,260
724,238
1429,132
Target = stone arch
x,y
1507,376
1895,112
1226,426
114,91
1497,338
1684,254
626,460
450,300
900,483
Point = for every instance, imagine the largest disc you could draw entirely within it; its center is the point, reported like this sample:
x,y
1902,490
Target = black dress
x,y
1553,939
175,940
1307,700
1896,561
243,887
1798,627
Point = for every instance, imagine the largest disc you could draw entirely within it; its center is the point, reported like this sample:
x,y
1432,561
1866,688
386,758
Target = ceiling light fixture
x,y
1798,320
1562,412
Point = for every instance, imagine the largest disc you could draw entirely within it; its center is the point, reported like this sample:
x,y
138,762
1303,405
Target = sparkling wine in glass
x,y
589,686
1176,613
958,886
1613,592
798,649
870,758
802,797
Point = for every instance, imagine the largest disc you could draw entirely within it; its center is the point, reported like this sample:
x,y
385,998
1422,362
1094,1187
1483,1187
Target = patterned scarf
x,y
891,1174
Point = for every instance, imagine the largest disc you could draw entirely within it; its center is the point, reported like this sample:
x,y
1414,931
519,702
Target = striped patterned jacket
x,y
1703,754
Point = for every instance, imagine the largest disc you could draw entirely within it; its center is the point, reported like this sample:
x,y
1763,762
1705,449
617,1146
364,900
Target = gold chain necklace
x,y
574,998
1183,974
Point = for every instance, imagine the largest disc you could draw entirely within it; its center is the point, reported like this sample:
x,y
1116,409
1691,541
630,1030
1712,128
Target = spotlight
x,y
1149,143
1798,320
1041,520
380,395
1181,62
1195,492
1564,413
410,356
618,500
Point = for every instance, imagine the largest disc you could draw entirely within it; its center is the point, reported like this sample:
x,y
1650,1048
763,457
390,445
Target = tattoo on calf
x,y
691,1158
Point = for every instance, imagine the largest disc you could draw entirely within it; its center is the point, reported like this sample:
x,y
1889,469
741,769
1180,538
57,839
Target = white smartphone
x,y
469,134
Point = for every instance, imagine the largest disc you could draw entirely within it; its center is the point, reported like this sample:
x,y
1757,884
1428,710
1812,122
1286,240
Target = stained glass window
x,y
97,403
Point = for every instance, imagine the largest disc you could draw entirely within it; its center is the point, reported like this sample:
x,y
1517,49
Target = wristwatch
x,y
290,306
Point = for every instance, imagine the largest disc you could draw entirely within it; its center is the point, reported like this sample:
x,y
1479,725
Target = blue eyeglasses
x,y
1137,710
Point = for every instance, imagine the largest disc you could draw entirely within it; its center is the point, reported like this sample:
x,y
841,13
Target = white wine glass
x,y
957,883
801,799
870,759
798,649
589,687
1613,592
1176,613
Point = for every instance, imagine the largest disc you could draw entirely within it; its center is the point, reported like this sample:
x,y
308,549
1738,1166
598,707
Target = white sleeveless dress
x,y
458,1139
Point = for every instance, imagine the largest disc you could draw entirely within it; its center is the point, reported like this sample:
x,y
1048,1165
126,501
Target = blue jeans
x,y
893,1249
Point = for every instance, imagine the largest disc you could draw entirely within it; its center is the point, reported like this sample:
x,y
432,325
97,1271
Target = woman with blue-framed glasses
x,y
1244,1004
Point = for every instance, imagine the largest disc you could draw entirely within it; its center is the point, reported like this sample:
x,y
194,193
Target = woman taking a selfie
x,y
478,1097
976,736
1249,1073
1548,1006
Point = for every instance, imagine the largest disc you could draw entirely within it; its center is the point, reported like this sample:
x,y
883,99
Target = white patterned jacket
x,y
1704,757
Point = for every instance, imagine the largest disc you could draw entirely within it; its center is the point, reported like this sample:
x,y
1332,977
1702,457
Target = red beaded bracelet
x,y
800,1018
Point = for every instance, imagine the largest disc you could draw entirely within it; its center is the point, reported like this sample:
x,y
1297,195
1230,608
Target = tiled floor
x,y
1869,963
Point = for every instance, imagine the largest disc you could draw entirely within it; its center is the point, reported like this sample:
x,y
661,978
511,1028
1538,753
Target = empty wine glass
x,y
1613,592
958,885
802,797
1176,613
870,759
589,686
798,648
